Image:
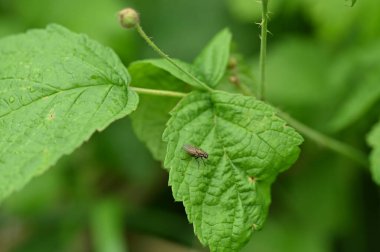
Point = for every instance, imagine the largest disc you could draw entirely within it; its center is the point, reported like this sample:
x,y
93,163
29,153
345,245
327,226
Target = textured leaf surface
x,y
152,114
374,141
212,62
248,145
57,88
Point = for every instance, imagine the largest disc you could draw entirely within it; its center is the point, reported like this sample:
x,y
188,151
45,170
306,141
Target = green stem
x,y
165,56
326,141
263,49
158,92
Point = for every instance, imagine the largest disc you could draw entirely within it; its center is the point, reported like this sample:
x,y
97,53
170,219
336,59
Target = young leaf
x,y
228,196
373,140
150,121
166,66
209,67
212,62
57,88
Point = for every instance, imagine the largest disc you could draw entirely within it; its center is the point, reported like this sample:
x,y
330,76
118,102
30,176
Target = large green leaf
x,y
373,140
152,115
248,145
57,88
212,61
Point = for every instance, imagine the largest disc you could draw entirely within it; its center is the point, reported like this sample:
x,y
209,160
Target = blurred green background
x,y
110,195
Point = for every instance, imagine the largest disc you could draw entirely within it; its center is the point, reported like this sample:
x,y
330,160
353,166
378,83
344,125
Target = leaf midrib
x,y
61,91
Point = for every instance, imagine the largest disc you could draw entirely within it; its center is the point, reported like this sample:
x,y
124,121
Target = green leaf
x,y
212,62
209,66
152,115
373,140
57,88
168,67
248,145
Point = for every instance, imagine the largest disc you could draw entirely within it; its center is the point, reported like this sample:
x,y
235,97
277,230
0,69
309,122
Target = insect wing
x,y
195,151
191,150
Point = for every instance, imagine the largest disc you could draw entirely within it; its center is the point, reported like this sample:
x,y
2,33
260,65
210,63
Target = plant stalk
x,y
263,49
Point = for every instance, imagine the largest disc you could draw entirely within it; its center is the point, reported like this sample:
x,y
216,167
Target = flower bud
x,y
234,79
129,18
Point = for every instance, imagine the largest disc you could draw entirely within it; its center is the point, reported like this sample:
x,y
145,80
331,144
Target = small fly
x,y
195,152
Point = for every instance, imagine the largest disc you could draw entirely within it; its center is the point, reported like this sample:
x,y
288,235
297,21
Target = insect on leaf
x,y
247,146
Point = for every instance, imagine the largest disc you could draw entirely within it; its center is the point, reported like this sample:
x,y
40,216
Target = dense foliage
x,y
59,87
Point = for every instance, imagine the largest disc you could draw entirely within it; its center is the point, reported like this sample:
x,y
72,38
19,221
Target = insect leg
x,y
187,158
196,158
204,164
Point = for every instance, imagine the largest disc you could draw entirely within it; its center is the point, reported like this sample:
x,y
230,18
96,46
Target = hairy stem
x,y
165,56
326,141
263,49
158,92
